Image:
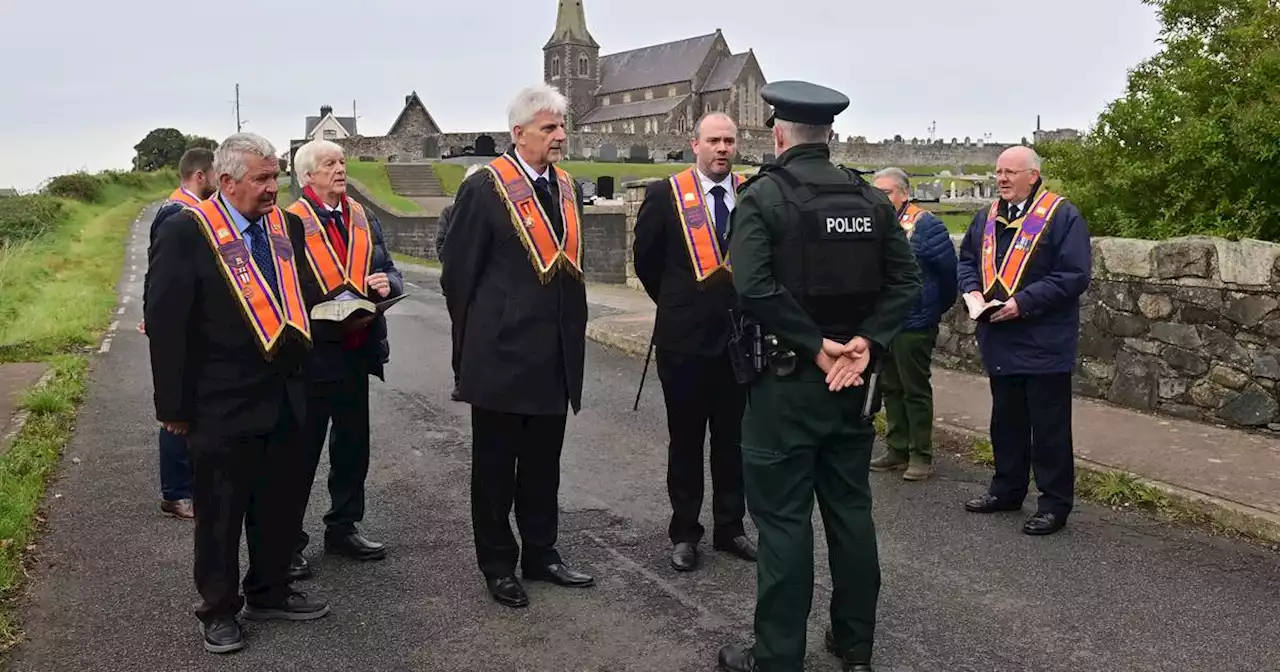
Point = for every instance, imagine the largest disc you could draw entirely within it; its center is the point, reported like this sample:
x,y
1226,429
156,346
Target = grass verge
x,y
25,470
409,259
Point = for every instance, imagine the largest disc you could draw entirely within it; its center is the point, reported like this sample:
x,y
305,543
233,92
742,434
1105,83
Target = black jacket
x,y
518,344
692,316
442,230
205,363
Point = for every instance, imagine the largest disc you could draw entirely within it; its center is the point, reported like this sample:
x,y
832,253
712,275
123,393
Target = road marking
x,y
114,325
412,285
133,277
106,345
709,619
125,298
120,311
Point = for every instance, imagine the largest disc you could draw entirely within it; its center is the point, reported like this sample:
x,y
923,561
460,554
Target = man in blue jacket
x,y
905,381
1030,252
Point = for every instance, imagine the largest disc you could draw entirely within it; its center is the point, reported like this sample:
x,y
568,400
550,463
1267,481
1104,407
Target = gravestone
x,y
608,153
588,190
770,157
639,154
485,146
431,147
604,186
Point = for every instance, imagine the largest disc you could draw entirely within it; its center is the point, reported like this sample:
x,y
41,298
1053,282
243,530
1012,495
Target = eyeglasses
x,y
1010,173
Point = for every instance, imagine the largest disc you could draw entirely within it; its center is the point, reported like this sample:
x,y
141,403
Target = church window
x,y
605,102
626,97
648,94
555,66
671,92
582,65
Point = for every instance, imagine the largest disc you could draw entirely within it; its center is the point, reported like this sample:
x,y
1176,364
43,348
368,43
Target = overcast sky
x,y
85,81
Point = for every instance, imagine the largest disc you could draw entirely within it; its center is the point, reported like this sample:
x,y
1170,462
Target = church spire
x,y
571,26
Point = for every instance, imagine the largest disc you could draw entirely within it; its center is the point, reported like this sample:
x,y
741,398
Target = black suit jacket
x,y
518,344
205,362
692,316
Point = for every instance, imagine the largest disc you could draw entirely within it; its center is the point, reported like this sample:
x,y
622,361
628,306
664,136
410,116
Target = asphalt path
x,y
111,585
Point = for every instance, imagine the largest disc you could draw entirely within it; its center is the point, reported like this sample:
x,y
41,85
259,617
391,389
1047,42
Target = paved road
x,y
112,583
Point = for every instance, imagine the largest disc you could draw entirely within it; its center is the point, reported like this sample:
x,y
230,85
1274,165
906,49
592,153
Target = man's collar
x,y
242,222
707,182
528,169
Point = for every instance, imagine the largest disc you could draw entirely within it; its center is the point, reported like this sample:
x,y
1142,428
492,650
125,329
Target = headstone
x,y
770,157
485,146
608,153
639,154
588,189
431,147
454,150
604,186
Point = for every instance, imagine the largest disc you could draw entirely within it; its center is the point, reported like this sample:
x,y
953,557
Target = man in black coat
x,y
229,332
681,243
344,242
514,287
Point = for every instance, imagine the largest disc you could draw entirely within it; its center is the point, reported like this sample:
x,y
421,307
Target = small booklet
x,y
980,311
349,306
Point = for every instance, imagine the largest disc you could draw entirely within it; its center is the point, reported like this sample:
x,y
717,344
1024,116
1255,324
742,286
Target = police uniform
x,y
817,253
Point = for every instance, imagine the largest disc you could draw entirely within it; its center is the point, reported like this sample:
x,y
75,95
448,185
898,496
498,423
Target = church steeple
x,y
571,26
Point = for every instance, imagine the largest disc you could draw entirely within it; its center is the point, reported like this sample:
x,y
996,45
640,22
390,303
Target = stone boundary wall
x,y
1187,327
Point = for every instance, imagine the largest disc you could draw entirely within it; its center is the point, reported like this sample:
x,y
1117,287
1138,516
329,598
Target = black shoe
x,y
559,575
857,667
734,658
740,546
299,569
295,607
684,557
989,503
507,591
455,395
848,666
1044,523
222,635
354,545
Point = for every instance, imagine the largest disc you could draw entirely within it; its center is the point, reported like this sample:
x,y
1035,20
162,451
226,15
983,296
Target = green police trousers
x,y
798,439
908,394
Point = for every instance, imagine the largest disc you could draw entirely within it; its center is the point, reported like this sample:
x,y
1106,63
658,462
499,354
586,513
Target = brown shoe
x,y
890,461
918,470
178,509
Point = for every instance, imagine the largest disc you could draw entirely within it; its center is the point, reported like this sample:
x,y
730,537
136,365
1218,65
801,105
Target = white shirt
x,y
533,175
708,184
1022,208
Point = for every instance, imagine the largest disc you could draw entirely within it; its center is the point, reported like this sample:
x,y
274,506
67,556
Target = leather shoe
x,y
848,666
354,545
734,658
295,607
989,503
299,569
684,557
1044,523
178,508
507,591
740,546
222,635
560,575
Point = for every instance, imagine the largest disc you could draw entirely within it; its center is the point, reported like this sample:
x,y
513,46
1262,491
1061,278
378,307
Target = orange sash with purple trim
x,y
181,195
909,217
1016,260
333,273
697,220
546,251
266,316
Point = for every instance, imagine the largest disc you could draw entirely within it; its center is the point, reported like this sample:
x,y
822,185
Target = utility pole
x,y
239,123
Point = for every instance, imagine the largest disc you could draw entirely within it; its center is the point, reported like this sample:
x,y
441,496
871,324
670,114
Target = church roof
x,y
641,108
654,65
348,123
726,73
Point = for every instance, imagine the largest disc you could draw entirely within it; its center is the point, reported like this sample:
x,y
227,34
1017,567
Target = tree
x,y
1193,147
194,141
162,148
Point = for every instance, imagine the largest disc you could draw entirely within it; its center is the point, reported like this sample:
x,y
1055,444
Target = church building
x,y
662,88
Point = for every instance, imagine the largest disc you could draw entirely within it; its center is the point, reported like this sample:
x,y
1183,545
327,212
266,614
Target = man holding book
x,y
1024,263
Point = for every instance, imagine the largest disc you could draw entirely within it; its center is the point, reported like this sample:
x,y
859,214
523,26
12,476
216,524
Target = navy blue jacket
x,y
1045,337
936,255
165,210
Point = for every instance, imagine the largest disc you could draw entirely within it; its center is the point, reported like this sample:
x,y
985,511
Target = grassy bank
x,y
373,177
61,253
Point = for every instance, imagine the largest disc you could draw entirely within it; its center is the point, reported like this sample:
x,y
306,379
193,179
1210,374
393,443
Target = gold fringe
x,y
268,354
544,277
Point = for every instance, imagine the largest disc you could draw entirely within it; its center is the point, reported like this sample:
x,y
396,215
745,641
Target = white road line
x,y
106,345
120,311
125,299
133,277
412,285
114,325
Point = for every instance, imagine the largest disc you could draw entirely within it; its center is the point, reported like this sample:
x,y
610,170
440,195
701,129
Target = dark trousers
x,y
175,467
515,459
1031,429
701,392
339,409
250,481
908,394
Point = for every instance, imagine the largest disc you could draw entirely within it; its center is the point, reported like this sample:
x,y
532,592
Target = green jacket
x,y
759,222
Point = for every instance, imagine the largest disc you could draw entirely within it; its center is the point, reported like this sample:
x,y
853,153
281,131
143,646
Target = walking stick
x,y
648,354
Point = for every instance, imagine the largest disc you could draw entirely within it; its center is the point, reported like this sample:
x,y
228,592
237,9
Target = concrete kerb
x,y
19,419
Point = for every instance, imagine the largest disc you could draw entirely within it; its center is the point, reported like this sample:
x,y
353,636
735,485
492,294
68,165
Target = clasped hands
x,y
844,364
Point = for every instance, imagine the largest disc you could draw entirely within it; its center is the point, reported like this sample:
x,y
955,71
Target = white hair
x,y
532,100
1032,158
799,134
471,170
231,154
308,158
899,177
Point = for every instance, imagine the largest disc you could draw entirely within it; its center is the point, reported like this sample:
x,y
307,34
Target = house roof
x,y
654,65
726,73
348,123
409,101
641,108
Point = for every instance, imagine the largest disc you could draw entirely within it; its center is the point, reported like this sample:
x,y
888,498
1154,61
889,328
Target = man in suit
x,y
1031,251
346,252
229,336
514,287
196,170
680,249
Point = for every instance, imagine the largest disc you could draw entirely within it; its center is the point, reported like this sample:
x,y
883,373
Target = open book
x,y
350,306
980,311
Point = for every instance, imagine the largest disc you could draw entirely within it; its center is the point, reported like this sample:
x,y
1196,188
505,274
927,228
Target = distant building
x,y
1041,135
329,127
8,193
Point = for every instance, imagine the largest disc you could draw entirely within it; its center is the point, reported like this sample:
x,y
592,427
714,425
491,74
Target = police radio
x,y
746,348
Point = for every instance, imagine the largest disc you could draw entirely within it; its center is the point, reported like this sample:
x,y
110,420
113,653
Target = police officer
x,y
820,264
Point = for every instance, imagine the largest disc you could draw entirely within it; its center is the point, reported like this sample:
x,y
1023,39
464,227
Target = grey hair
x,y
471,170
899,177
532,100
231,154
308,158
799,134
697,127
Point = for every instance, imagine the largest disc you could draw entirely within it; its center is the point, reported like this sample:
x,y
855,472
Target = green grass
x,y
25,470
373,177
408,259
450,174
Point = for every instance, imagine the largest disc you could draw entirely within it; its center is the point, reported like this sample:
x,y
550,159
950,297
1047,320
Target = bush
x,y
26,217
130,179
77,186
